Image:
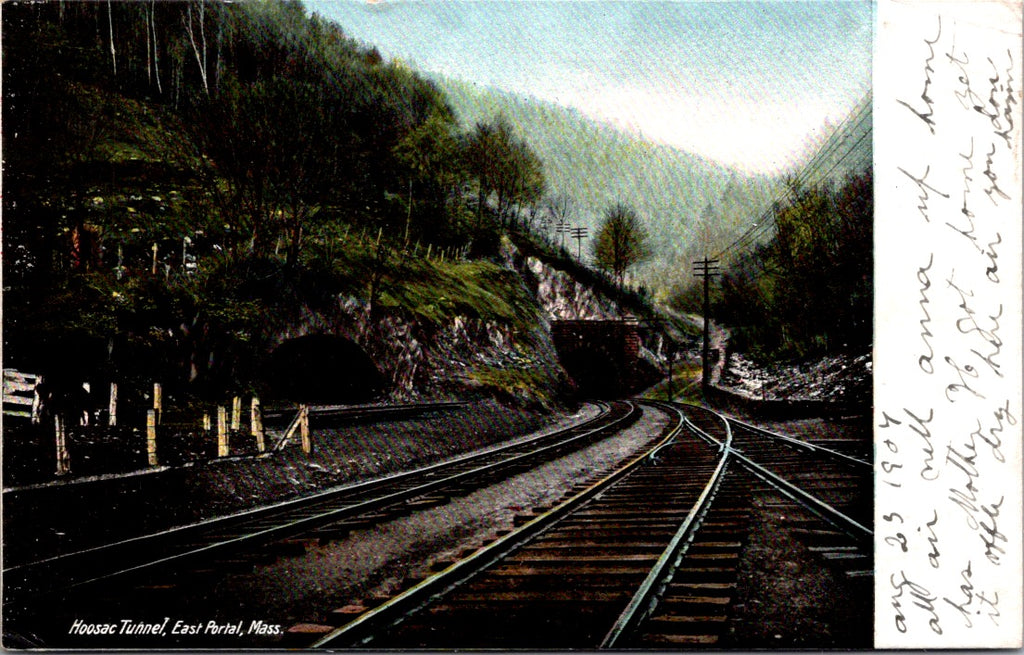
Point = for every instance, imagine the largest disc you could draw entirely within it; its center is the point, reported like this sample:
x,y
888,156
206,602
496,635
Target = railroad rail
x,y
344,509
693,607
364,412
836,486
646,557
563,578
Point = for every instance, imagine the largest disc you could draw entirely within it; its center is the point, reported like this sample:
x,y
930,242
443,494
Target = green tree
x,y
430,153
274,152
505,167
807,290
520,180
621,241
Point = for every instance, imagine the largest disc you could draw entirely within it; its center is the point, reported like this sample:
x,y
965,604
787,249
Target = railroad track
x,y
352,413
787,476
645,558
834,478
333,513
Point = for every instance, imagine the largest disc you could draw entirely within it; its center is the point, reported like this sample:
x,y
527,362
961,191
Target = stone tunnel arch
x,y
322,369
602,356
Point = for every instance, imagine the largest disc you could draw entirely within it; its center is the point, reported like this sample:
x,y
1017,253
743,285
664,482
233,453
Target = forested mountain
x,y
176,172
799,281
690,205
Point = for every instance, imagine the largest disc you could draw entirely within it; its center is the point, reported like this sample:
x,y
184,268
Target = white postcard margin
x,y
947,367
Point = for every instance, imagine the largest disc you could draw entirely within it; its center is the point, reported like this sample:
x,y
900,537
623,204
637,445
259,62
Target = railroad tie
x,y
300,635
346,613
288,547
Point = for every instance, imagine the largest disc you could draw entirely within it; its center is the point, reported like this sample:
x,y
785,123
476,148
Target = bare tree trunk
x,y
219,63
149,49
156,50
110,24
200,56
202,38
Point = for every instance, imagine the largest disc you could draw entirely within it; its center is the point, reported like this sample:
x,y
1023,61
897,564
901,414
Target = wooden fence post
x,y
307,445
63,459
84,418
256,420
112,407
158,401
222,431
37,402
236,413
151,437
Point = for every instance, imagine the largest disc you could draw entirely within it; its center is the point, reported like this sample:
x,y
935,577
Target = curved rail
x,y
818,507
800,443
691,604
379,620
290,517
642,601
480,586
651,550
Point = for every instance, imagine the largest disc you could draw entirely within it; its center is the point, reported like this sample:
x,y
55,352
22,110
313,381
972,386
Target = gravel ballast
x,y
324,575
44,520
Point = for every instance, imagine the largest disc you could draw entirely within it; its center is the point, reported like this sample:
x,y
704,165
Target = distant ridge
x,y
597,164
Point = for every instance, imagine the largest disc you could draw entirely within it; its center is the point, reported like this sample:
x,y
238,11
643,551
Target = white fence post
x,y
222,432
256,424
63,458
307,444
112,407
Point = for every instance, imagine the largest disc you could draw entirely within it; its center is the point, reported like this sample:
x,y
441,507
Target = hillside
x,y
177,218
690,204
176,212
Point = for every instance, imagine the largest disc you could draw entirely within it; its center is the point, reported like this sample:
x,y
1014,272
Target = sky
x,y
747,84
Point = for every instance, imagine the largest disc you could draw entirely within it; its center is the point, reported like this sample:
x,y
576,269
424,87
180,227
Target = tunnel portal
x,y
322,369
602,356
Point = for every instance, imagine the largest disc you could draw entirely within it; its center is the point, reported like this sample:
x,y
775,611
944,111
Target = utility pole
x,y
706,268
562,228
671,352
579,233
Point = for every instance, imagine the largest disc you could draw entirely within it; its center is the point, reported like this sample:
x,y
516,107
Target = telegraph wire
x,y
810,171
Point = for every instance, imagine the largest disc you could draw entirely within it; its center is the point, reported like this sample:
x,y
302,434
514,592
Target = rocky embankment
x,y
841,382
838,378
462,356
